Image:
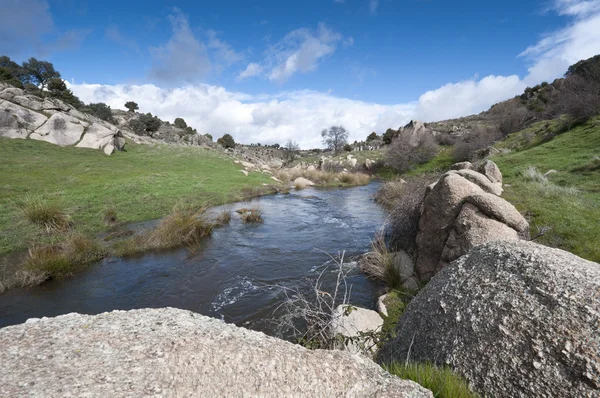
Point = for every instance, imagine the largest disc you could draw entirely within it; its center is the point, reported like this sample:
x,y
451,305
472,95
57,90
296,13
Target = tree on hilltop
x,y
39,72
226,141
132,106
290,151
335,138
179,122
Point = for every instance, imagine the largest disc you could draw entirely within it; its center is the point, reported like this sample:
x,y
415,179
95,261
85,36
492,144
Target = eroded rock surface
x,y
517,319
176,353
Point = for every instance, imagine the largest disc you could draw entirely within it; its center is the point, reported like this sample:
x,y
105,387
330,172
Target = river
x,y
238,275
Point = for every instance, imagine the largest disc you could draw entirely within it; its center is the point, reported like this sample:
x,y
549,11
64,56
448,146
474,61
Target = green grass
x,y
144,183
442,381
568,202
395,302
441,162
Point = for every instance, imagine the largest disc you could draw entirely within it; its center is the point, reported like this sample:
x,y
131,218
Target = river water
x,y
239,274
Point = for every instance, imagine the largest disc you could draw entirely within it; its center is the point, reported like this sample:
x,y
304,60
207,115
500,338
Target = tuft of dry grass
x,y
110,217
58,261
391,192
378,263
49,216
183,227
224,217
253,215
324,178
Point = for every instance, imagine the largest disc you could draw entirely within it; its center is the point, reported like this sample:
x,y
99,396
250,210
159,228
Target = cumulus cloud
x,y
555,52
549,57
467,97
297,115
183,57
299,51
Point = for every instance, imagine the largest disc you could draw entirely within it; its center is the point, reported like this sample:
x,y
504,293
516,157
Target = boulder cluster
x,y
461,210
24,115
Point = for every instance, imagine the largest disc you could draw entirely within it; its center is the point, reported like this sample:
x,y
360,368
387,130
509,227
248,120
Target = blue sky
x,y
272,70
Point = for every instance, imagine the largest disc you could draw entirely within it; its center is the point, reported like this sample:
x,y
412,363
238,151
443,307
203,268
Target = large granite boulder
x,y
515,318
26,120
170,352
356,323
98,136
461,210
61,129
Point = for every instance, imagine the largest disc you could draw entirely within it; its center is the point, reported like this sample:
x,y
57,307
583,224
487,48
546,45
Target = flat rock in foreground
x,y
171,352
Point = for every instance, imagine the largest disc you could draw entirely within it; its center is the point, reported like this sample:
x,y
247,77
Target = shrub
x,y
479,138
372,136
210,137
179,122
290,151
404,152
227,141
348,148
100,110
580,98
389,136
7,77
443,382
48,216
404,200
145,123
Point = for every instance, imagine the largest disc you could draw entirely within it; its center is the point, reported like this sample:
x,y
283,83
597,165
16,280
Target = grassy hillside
x,y
566,201
141,184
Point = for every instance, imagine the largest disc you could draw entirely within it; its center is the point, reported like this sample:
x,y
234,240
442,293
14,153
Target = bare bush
x,y
405,151
580,98
310,318
479,138
405,200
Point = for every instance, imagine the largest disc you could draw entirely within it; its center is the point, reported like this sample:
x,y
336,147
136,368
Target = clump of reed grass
x,y
224,217
378,263
47,215
253,215
59,261
183,227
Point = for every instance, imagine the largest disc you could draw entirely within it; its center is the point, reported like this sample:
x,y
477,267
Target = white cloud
x,y
183,57
554,53
467,97
297,115
373,5
253,69
550,57
299,51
